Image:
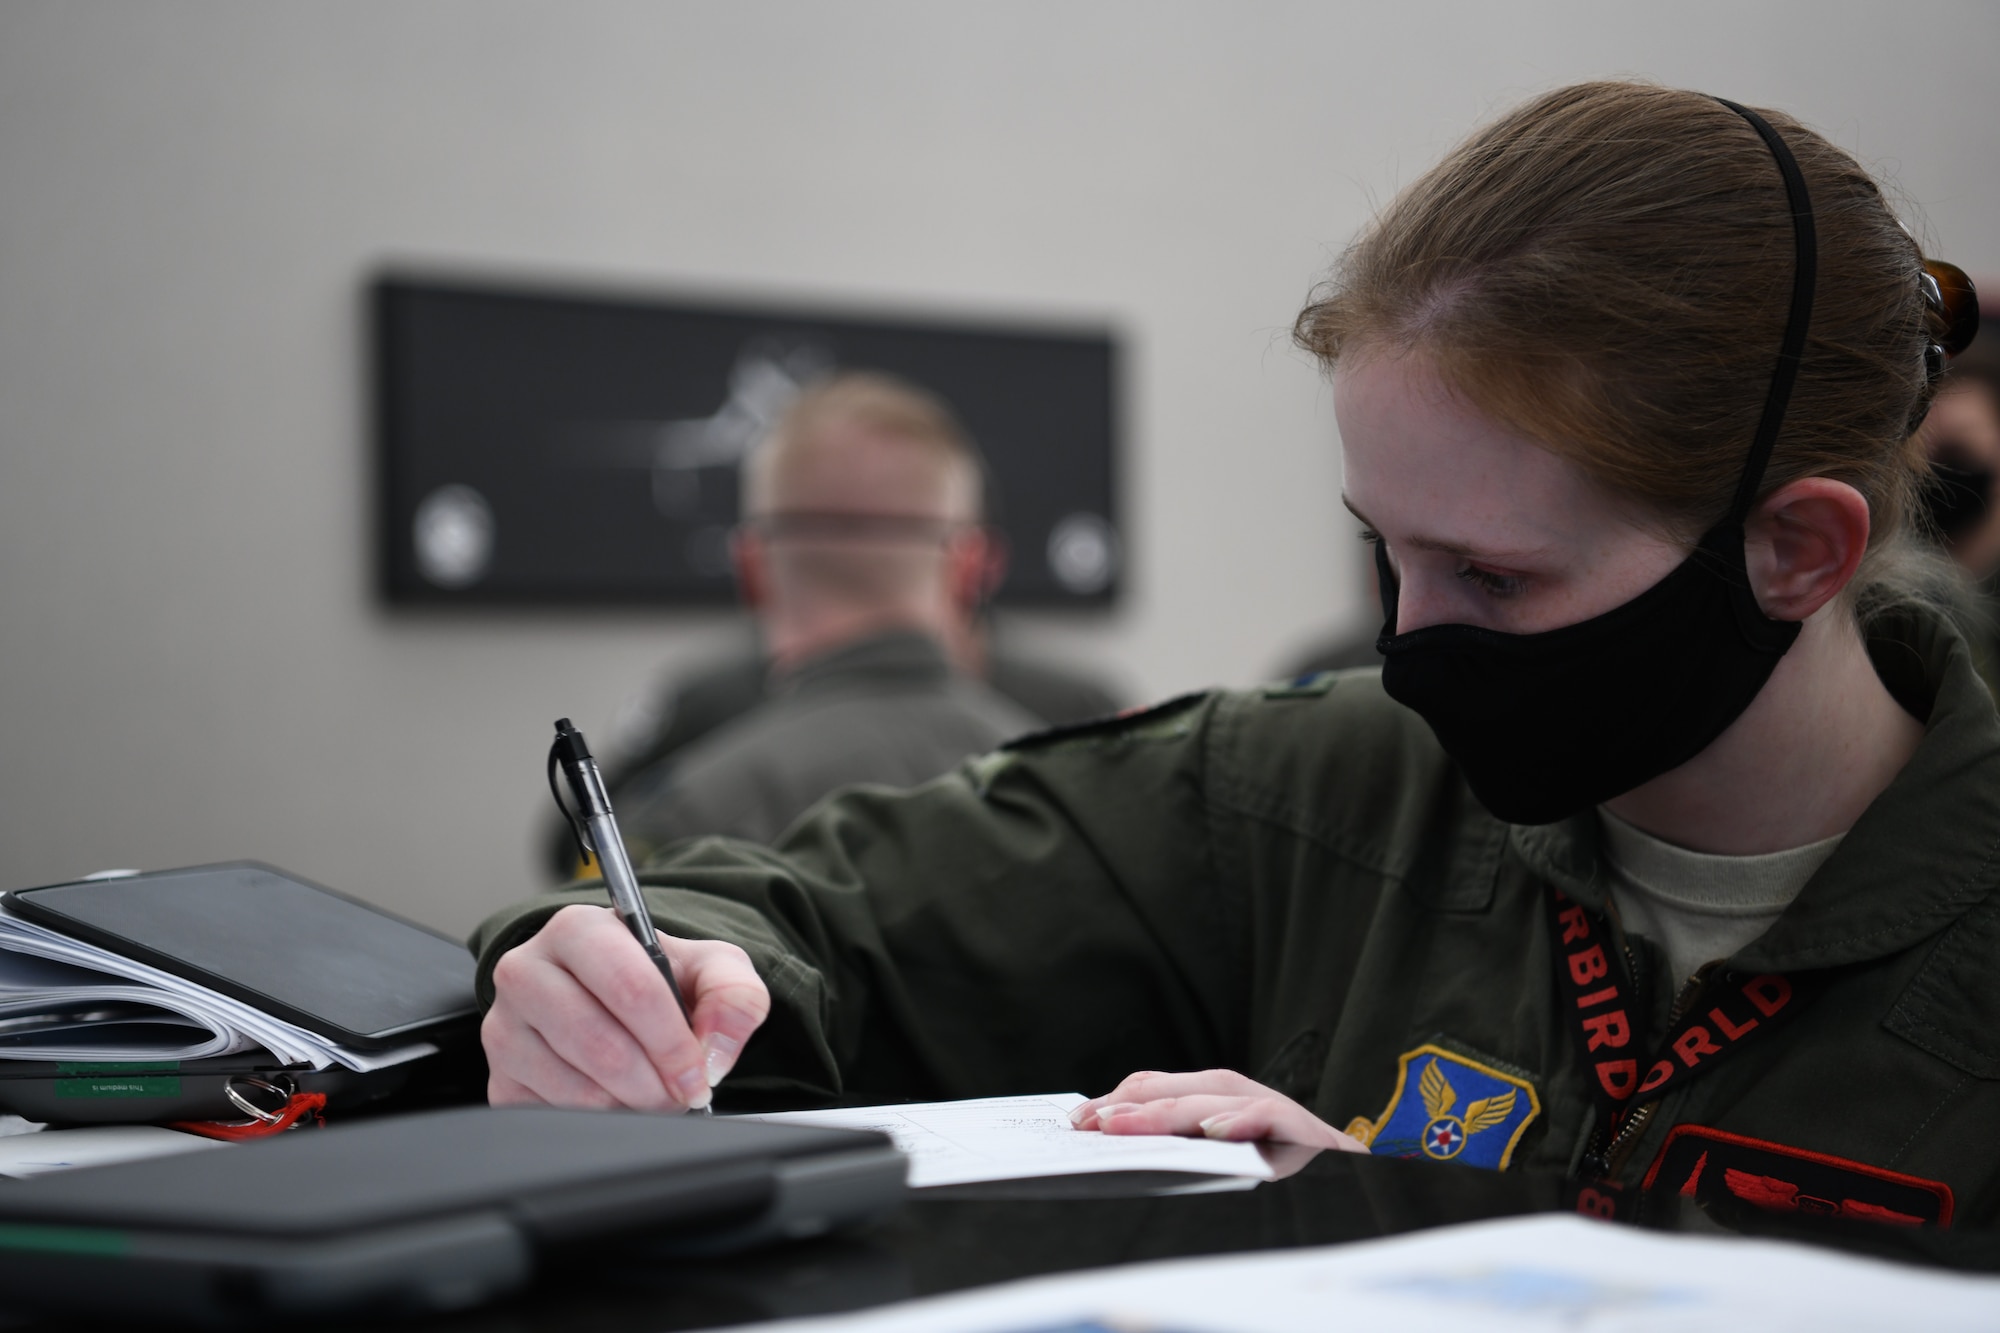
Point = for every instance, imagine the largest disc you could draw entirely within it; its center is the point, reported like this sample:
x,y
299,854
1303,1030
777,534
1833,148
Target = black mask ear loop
x,y
1805,280
1726,538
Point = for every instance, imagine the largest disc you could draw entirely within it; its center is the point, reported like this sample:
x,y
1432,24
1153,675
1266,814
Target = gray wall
x,y
191,666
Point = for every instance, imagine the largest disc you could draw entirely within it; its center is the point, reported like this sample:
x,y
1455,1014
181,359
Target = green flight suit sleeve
x,y
1048,916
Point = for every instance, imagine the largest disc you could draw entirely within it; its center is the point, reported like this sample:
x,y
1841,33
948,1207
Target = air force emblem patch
x,y
1451,1109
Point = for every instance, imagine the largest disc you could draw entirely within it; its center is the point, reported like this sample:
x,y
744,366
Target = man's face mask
x,y
1547,725
1958,493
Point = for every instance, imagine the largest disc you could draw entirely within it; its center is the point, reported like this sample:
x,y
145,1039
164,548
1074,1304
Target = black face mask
x,y
1547,725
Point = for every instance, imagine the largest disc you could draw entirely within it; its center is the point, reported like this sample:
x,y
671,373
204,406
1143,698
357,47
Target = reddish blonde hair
x,y
1607,270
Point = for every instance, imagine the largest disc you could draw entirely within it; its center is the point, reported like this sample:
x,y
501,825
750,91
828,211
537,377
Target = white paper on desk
x,y
93,1145
1022,1138
1550,1272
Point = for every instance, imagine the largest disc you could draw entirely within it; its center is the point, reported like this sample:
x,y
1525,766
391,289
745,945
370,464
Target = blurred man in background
x,y
1339,650
865,562
1962,436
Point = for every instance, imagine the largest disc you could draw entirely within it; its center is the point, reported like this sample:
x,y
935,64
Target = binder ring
x,y
250,1108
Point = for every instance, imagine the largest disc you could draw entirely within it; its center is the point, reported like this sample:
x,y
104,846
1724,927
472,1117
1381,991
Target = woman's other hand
x,y
1215,1104
581,1017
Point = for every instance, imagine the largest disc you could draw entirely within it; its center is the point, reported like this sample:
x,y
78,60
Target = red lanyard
x,y
1608,1015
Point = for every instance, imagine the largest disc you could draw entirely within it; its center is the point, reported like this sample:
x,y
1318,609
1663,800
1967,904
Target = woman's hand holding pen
x,y
582,1017
1215,1104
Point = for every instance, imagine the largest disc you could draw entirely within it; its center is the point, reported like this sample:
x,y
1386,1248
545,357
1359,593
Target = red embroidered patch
x,y
1705,1163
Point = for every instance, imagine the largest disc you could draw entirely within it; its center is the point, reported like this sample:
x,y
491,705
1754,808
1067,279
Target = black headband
x,y
1805,276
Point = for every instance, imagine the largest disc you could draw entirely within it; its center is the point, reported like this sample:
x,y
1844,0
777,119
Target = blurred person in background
x,y
695,702
1962,440
863,558
1339,650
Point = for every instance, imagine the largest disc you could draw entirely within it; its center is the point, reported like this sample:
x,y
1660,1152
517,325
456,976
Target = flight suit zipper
x,y
1619,1150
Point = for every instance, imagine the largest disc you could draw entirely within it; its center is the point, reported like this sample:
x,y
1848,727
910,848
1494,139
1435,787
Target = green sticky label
x,y
119,1085
120,1067
64,1240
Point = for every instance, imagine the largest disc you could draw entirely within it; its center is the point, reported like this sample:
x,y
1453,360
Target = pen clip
x,y
558,753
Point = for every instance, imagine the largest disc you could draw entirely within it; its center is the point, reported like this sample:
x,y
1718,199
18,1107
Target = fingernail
x,y
1116,1109
1081,1116
691,1089
722,1053
1217,1126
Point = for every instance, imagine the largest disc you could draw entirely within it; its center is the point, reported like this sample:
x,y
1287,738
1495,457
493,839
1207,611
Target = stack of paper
x,y
1025,1138
62,999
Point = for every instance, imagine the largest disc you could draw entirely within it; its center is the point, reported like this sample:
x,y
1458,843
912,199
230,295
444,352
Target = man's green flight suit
x,y
1297,884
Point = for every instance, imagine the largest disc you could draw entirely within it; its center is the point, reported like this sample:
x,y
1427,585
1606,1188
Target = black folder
x,y
422,1212
299,951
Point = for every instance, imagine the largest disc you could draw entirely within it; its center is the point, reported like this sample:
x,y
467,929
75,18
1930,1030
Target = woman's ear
x,y
1803,542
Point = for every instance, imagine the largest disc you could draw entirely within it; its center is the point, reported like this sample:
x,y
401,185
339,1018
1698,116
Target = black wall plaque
x,y
546,448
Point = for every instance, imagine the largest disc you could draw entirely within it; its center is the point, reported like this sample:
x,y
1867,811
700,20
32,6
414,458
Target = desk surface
x,y
938,1244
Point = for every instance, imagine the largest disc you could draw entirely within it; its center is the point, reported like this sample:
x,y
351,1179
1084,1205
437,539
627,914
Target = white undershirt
x,y
1697,906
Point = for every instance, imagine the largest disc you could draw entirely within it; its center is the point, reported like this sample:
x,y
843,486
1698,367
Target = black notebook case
x,y
429,1211
296,950
161,1091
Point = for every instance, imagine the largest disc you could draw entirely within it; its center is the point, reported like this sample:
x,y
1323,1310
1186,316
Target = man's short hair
x,y
875,404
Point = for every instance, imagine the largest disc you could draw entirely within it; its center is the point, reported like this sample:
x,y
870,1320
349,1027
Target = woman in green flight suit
x,y
1662,847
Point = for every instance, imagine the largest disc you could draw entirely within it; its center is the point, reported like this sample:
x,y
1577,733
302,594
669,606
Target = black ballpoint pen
x,y
596,832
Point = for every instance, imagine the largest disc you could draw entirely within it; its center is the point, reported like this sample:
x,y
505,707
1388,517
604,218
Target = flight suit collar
x,y
1923,852
894,655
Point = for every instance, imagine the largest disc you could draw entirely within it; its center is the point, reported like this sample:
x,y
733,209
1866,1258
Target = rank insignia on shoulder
x,y
1451,1108
1160,721
1311,685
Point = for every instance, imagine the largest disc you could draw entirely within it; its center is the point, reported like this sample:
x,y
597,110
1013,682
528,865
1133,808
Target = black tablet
x,y
427,1211
312,957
